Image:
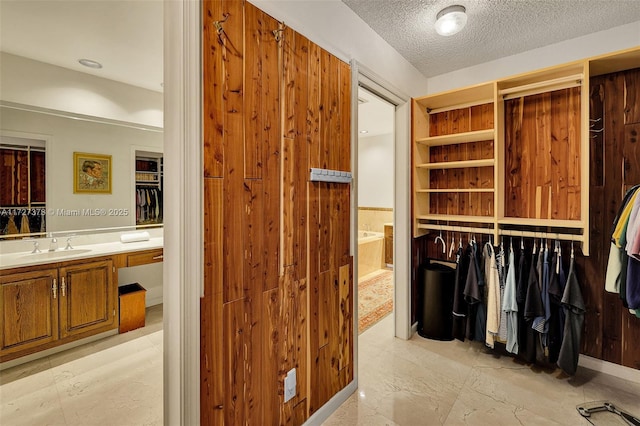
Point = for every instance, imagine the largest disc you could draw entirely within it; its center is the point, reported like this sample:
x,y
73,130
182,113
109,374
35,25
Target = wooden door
x,y
87,298
29,316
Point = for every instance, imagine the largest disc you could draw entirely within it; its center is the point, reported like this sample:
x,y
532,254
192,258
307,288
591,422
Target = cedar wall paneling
x,y
278,271
610,332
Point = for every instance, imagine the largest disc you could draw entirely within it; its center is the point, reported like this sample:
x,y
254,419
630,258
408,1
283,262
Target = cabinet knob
x,y
63,288
54,288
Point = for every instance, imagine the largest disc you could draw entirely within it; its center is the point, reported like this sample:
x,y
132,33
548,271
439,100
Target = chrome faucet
x,y
54,243
68,247
36,246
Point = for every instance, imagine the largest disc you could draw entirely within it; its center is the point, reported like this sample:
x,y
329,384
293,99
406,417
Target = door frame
x,y
183,214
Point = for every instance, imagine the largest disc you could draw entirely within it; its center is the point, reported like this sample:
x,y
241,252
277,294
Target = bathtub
x,y
370,252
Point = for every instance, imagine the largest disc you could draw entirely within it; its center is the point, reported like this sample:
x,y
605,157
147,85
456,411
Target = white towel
x,y
134,237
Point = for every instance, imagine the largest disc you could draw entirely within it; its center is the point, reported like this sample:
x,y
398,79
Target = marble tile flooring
x,y
428,382
118,381
113,381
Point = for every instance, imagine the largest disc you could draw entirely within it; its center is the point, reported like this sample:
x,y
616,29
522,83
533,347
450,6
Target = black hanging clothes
x,y
522,275
557,283
532,309
574,309
460,307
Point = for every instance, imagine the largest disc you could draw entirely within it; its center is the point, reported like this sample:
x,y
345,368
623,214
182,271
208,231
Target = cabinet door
x,y
87,298
29,316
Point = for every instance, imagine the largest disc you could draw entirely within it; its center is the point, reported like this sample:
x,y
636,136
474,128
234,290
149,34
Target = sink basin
x,y
56,254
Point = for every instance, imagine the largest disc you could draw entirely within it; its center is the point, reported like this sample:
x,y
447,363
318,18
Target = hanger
x,y
444,245
453,245
572,255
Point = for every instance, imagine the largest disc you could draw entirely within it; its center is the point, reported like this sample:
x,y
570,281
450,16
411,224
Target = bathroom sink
x,y
56,254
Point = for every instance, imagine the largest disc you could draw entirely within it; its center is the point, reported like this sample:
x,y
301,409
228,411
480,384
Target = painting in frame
x,y
91,173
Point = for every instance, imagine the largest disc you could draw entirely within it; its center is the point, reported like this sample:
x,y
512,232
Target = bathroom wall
x,y
375,171
28,82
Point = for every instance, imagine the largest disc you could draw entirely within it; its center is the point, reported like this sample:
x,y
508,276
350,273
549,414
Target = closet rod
x,y
463,229
545,235
573,80
459,106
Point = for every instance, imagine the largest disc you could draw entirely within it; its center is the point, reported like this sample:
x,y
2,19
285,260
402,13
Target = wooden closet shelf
x,y
458,164
477,136
485,190
558,223
457,218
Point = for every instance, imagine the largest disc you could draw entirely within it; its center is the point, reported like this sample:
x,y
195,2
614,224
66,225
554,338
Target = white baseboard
x,y
610,368
332,405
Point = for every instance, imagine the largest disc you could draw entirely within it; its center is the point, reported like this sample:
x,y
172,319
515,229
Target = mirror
x,y
70,118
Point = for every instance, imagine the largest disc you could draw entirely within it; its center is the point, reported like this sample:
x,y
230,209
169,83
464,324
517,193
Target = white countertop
x,y
20,259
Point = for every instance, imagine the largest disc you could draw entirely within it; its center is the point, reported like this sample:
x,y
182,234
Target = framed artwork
x,y
91,173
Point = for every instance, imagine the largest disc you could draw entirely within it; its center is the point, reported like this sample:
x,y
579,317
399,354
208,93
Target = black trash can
x,y
435,301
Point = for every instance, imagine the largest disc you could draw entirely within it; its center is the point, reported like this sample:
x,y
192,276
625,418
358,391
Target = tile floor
x,y
414,382
67,388
428,382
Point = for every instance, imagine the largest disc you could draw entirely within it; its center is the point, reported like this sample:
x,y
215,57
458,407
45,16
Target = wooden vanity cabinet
x,y
29,317
87,298
60,303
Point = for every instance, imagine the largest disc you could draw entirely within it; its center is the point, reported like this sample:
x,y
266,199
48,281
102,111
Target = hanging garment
x,y
12,228
501,261
632,286
24,225
493,296
522,274
575,309
481,307
557,282
510,305
460,307
532,309
617,263
472,293
157,205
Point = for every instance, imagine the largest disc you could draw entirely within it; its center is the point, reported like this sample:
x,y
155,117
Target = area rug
x,y
375,299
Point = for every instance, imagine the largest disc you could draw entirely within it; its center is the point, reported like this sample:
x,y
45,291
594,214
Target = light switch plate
x,y
290,385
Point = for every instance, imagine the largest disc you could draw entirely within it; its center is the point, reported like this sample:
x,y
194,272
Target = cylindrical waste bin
x,y
435,301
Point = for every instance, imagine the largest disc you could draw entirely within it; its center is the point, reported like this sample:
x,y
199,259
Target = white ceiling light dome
x,y
451,20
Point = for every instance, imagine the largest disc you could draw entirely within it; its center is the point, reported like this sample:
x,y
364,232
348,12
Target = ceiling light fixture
x,y
91,64
451,20
364,131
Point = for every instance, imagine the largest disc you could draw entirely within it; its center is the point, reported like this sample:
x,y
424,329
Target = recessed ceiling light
x,y
364,131
89,63
451,20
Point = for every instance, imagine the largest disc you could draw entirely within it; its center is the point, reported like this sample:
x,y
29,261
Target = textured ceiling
x,y
495,28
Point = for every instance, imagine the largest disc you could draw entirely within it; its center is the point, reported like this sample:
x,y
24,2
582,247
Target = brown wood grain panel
x,y
543,144
326,110
211,339
314,108
481,117
271,71
232,84
299,413
631,341
324,309
271,343
301,155
301,330
344,99
324,246
513,158
38,177
632,95
333,122
288,218
14,171
213,117
574,163
596,134
237,347
613,137
288,332
253,92
289,72
559,154
631,154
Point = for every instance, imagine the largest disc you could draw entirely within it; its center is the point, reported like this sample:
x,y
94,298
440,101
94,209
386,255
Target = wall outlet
x,y
290,385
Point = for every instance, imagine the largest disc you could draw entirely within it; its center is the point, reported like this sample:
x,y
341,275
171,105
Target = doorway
x,y
375,208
